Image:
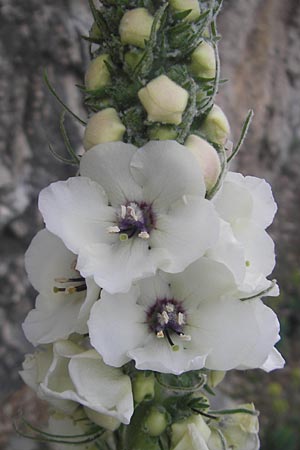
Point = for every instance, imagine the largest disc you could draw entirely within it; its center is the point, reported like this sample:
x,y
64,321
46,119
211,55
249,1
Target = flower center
x,y
70,285
133,219
165,317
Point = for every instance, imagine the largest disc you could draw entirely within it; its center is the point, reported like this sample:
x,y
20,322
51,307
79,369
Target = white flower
x,y
247,204
69,375
182,322
65,297
132,211
191,433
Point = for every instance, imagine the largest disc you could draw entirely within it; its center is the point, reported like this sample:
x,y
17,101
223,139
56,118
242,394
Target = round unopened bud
x,y
184,5
207,157
203,63
215,377
107,422
162,133
104,126
216,126
164,100
156,421
143,386
135,27
97,74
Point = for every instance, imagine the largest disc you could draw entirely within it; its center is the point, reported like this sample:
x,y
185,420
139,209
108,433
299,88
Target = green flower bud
x,y
162,133
215,377
181,429
156,421
216,126
164,100
203,63
135,27
104,126
207,158
184,5
97,74
108,422
133,58
143,386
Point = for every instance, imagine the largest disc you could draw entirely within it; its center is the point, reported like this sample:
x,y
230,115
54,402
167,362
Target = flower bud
x,y
143,386
207,158
108,422
216,126
240,431
162,133
97,74
135,27
104,126
181,429
164,100
215,377
184,5
203,63
156,421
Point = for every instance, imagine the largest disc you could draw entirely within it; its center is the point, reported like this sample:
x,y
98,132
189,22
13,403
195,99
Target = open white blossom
x,y
247,204
65,297
181,322
67,375
132,211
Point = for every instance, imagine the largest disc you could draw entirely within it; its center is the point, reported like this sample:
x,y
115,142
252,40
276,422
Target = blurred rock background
x,y
261,59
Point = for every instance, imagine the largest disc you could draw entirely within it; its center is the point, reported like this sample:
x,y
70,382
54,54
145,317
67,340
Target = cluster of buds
x,y
154,75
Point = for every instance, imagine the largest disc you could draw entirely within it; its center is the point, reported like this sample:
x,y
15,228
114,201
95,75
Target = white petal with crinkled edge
x,y
157,354
79,376
227,250
115,267
273,361
233,201
166,171
203,281
109,165
36,366
264,207
186,232
100,387
53,318
236,333
258,246
116,325
48,258
76,211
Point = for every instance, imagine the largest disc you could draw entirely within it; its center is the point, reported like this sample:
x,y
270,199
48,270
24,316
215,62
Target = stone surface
x,y
260,57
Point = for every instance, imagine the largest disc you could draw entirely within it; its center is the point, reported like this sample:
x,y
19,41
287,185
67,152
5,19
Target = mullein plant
x,y
154,258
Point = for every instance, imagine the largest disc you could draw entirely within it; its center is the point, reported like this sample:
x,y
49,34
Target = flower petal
x,y
166,170
115,267
108,164
158,355
100,387
236,333
48,258
186,232
116,325
76,211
